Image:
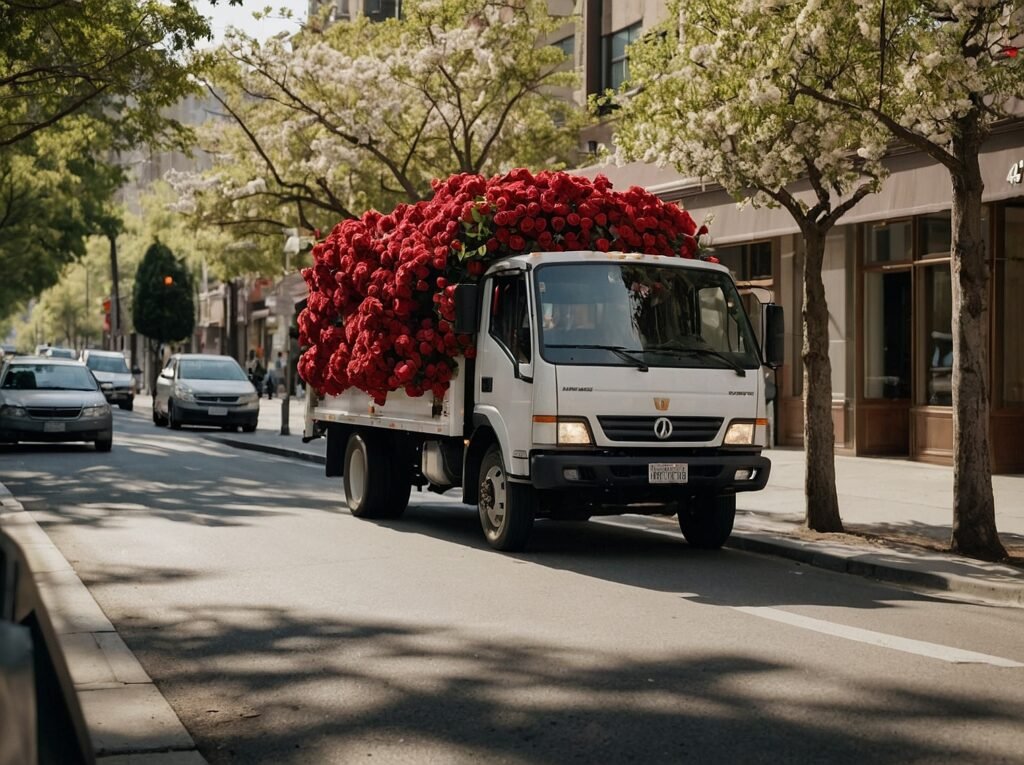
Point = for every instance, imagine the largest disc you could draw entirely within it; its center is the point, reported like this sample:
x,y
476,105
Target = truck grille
x,y
54,412
684,429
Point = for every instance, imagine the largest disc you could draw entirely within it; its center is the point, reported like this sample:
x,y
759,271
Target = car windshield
x,y
61,353
113,364
48,377
209,369
642,314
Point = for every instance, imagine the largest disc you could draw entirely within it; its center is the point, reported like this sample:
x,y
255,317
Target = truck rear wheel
x,y
706,522
507,509
374,486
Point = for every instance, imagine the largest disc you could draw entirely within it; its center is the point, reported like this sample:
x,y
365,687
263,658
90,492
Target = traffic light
x,y
168,280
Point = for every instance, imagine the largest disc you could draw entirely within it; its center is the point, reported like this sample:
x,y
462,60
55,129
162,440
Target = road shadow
x,y
654,556
272,686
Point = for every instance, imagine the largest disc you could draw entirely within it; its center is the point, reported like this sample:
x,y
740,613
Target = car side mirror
x,y
467,309
774,336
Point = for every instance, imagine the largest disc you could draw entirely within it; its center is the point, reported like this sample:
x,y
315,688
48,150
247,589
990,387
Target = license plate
x,y
218,411
54,427
668,472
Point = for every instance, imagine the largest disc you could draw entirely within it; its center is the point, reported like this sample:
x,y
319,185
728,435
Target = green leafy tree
x,y
163,307
936,75
326,124
54,193
713,103
119,60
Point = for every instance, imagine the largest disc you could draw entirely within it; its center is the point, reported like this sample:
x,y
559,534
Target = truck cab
x,y
603,383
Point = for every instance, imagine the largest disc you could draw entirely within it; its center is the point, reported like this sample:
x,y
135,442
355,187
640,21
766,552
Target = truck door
x,y
504,367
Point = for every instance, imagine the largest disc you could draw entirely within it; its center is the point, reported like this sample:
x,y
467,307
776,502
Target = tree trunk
x,y
974,519
819,436
116,328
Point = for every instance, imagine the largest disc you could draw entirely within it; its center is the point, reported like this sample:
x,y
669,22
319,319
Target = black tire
x,y
127,405
249,427
706,522
375,487
173,422
104,444
506,509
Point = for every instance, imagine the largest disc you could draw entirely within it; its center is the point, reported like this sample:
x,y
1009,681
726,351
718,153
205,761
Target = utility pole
x,y
115,292
291,247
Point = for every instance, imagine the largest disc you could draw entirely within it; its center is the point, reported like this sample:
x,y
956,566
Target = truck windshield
x,y
664,316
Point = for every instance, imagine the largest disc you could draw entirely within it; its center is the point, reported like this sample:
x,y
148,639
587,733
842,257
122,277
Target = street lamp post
x,y
291,247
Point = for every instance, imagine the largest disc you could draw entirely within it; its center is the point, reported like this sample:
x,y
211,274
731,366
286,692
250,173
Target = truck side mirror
x,y
467,309
774,336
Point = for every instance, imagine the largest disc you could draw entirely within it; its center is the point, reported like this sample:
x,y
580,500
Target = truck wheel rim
x,y
356,476
493,497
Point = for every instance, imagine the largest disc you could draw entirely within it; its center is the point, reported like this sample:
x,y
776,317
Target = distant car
x,y
52,399
202,389
53,352
111,368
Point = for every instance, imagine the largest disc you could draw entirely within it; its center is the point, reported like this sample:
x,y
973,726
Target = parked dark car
x,y
50,399
202,389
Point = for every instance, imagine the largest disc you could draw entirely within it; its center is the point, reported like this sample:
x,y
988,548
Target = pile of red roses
x,y
381,305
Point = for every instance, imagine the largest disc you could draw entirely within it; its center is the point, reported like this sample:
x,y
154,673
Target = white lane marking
x,y
919,647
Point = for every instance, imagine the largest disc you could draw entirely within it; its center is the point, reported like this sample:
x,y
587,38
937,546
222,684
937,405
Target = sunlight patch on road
x,y
880,639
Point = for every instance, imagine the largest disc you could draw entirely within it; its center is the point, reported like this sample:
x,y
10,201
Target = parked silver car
x,y
202,389
110,367
51,399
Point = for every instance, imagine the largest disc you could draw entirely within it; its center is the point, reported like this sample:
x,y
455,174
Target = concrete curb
x,y
866,564
129,720
280,451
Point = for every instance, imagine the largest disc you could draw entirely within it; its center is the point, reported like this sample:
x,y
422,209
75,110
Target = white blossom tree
x,y
936,75
707,97
327,123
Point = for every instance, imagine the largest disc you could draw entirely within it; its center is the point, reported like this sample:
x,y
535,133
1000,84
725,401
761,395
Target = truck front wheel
x,y
706,522
374,485
507,509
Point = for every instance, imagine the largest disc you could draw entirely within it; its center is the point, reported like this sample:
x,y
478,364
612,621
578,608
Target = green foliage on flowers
x,y
163,308
364,115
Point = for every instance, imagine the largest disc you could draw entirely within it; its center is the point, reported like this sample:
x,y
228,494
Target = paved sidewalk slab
x,y
156,758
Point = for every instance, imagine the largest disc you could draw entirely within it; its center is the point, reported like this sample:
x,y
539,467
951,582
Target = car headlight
x,y
10,410
97,410
183,394
248,398
574,433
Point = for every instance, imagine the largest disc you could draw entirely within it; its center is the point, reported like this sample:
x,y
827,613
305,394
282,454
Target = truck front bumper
x,y
707,473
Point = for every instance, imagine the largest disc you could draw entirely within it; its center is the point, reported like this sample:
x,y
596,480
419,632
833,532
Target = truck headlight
x,y
574,432
10,410
740,433
97,410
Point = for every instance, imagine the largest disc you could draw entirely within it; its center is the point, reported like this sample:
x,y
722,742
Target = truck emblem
x,y
663,427
661,404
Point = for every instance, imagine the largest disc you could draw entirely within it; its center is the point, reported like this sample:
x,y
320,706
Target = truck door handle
x,y
487,384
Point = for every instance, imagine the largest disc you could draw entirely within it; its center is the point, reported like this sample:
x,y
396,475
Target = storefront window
x,y
1011,307
888,242
887,323
938,338
936,235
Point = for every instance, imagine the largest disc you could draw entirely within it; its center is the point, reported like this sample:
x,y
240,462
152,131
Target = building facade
x,y
887,275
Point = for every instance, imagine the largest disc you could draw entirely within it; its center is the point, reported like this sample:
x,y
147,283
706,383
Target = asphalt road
x,y
282,630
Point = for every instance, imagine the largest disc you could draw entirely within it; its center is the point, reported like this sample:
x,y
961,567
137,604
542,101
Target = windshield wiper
x,y
620,351
699,351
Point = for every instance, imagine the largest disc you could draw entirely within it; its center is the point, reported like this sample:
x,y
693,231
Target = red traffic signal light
x,y
168,281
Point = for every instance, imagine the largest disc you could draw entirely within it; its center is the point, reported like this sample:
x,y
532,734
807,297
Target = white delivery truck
x,y
603,383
